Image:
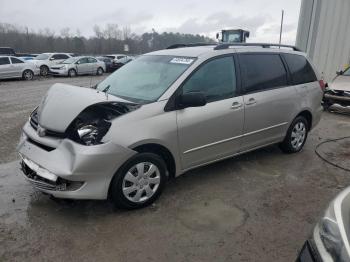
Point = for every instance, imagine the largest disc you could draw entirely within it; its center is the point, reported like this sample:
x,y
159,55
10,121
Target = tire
x,y
99,71
72,73
28,75
129,189
44,70
296,136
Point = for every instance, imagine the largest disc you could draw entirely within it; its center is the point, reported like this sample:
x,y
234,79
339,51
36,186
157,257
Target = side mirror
x,y
192,100
340,72
217,35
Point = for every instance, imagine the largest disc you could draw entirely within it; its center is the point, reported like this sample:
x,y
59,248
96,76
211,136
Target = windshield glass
x,y
42,57
146,78
70,60
347,72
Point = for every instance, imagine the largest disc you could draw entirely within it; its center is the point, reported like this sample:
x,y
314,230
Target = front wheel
x,y
28,75
296,136
139,182
72,73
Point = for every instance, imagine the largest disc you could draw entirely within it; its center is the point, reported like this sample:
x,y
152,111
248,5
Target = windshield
x,y
145,79
42,57
347,72
70,60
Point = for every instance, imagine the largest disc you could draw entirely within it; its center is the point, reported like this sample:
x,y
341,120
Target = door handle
x,y
251,101
236,105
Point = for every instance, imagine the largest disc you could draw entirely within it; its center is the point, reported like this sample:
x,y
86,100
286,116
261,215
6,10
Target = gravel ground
x,y
260,206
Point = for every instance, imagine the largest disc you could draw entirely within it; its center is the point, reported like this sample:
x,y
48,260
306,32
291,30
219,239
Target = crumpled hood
x,y
341,83
63,103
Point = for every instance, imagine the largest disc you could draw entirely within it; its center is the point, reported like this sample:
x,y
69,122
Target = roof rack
x,y
263,45
190,45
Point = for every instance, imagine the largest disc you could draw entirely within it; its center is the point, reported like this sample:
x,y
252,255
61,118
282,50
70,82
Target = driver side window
x,y
216,79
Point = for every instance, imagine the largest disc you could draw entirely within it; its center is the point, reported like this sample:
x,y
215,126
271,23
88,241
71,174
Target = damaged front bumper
x,y
66,169
337,101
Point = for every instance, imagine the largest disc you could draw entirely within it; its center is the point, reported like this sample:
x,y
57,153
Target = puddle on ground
x,y
213,215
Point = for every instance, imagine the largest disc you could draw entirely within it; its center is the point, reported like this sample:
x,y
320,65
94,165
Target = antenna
x,y
281,26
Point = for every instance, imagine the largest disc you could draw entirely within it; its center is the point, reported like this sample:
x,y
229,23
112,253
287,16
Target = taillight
x,y
322,84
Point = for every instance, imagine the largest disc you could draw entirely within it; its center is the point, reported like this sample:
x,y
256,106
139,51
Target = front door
x,y
213,131
83,66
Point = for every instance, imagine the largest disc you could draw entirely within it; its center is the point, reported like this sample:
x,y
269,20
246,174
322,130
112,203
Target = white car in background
x,y
45,60
116,57
80,65
14,67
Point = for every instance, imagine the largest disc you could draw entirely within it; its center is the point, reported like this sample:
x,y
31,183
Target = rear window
x,y
300,69
262,71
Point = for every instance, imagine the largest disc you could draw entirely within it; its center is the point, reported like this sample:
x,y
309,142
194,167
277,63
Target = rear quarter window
x,y
262,72
300,69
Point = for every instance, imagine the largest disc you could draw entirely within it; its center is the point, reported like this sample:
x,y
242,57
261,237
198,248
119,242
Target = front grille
x,y
45,184
34,123
37,181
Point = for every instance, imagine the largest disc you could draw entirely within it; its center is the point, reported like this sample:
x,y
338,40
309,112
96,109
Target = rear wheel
x,y
99,71
28,75
44,70
296,136
72,73
139,182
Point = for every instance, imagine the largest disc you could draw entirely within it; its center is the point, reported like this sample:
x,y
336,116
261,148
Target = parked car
x,y
115,57
337,95
121,62
330,238
80,65
118,61
165,113
107,61
14,67
45,60
7,51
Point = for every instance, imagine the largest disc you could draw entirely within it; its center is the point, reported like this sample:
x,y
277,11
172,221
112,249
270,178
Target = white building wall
x,y
324,34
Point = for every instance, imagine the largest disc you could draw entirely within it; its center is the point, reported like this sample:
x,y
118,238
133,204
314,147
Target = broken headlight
x,y
93,123
89,131
331,234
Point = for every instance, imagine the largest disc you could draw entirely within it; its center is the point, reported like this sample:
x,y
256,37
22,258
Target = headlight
x,y
331,238
88,134
331,235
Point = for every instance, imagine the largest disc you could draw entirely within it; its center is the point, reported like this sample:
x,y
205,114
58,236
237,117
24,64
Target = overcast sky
x,y
261,17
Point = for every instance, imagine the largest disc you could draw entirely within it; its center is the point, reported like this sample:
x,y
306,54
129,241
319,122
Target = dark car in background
x,y
108,62
7,51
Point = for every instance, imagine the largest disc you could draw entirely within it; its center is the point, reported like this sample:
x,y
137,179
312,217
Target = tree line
x,y
108,39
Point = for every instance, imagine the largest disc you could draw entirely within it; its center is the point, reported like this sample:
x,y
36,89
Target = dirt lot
x,y
257,207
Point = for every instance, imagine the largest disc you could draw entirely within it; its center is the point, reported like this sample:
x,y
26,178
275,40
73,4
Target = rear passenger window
x,y
215,79
262,71
16,61
300,69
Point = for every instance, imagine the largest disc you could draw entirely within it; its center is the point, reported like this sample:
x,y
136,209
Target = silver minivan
x,y
165,113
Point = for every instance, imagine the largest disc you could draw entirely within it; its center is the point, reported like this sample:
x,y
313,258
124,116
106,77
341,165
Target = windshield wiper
x,y
105,90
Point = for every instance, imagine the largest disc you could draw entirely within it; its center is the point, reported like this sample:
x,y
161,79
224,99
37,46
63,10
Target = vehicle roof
x,y
208,50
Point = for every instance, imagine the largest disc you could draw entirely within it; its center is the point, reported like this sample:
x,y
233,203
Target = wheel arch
x,y
306,113
162,151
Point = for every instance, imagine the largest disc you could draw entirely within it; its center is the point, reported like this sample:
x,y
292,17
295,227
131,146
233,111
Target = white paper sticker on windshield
x,y
181,60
